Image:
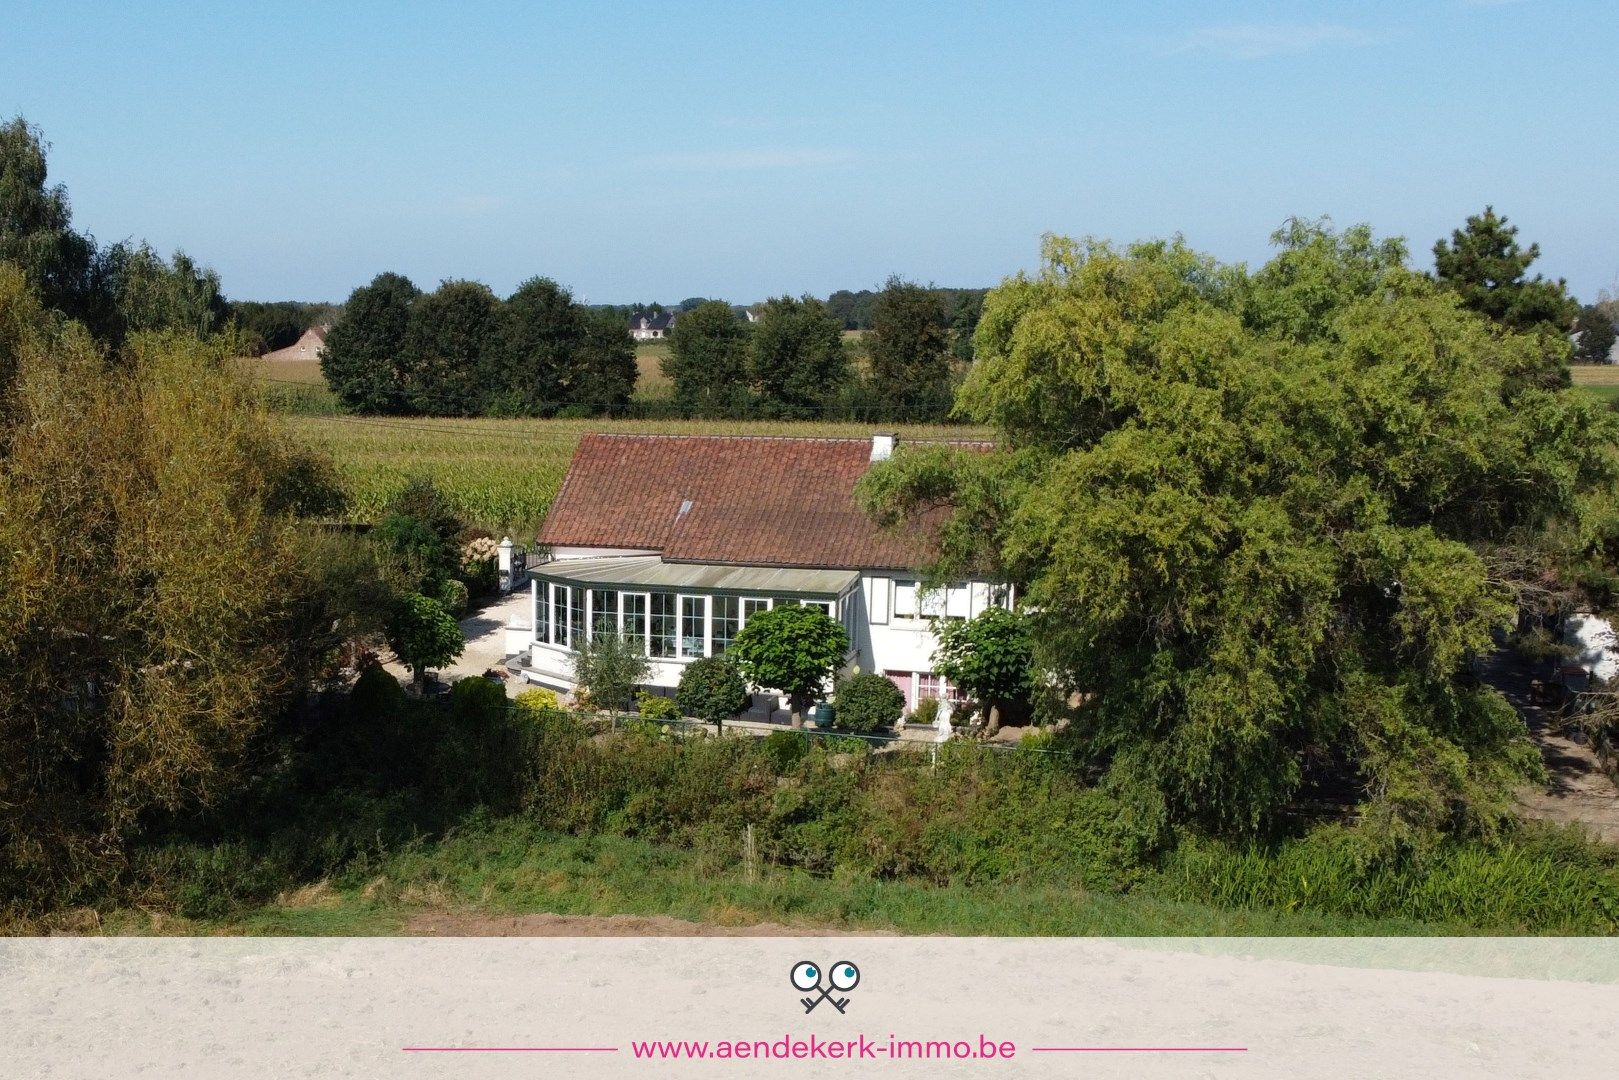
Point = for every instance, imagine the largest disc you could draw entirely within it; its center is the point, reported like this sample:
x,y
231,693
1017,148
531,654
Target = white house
x,y
645,326
675,541
307,347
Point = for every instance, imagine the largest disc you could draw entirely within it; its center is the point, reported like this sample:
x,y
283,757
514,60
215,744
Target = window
x,y
542,611
823,606
635,621
877,599
663,624
783,601
693,628
752,606
603,612
929,686
559,615
727,621
931,602
957,602
904,599
576,617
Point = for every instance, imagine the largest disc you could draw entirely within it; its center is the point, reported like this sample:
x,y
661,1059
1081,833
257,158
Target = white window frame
x,y
680,626
646,618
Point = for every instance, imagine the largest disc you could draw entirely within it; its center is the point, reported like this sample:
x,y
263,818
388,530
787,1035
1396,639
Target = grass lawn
x,y
1602,380
513,869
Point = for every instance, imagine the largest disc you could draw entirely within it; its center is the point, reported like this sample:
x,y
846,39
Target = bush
x,y
477,701
453,597
656,707
927,711
712,690
783,750
867,703
377,696
537,702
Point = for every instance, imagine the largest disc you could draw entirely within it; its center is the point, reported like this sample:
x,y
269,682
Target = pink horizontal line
x,y
510,1049
1144,1049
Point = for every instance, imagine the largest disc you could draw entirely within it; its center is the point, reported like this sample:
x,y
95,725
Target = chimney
x,y
882,447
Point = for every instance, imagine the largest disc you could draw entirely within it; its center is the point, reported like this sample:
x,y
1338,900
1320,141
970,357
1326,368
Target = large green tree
x,y
601,376
1484,264
991,657
796,359
908,346
792,649
1256,519
707,360
363,359
539,334
451,353
36,230
1597,335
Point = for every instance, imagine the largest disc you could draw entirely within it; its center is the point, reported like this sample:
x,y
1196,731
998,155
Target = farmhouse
x,y
675,541
307,347
645,326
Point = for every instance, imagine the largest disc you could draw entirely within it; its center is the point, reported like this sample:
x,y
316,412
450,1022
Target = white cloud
x,y
1254,41
778,157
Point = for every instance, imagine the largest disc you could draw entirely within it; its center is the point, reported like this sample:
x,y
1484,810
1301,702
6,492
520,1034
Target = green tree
x,y
1484,265
991,658
451,351
867,703
1257,526
908,345
158,609
363,359
541,329
1597,336
712,690
602,375
424,636
707,361
792,649
609,668
147,292
796,360
36,230
969,308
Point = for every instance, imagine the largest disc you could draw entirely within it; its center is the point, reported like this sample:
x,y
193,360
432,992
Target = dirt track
x,y
473,924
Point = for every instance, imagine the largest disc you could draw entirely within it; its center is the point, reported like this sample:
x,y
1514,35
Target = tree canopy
x,y
364,352
797,361
792,649
1254,518
991,657
1484,264
909,348
707,360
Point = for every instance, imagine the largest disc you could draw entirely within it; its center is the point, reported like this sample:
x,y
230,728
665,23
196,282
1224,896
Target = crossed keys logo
x,y
806,977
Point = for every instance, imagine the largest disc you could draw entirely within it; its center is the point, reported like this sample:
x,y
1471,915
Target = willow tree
x,y
1246,514
157,610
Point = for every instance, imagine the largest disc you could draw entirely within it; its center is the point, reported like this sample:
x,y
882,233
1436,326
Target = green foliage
x,y
991,657
363,360
539,331
268,326
423,635
453,597
448,355
712,690
1597,335
537,703
1484,265
926,711
783,750
656,707
1242,511
908,346
36,233
792,649
867,703
707,361
608,668
377,696
796,361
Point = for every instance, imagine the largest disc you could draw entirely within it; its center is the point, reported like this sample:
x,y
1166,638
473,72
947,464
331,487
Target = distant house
x,y
307,347
645,326
674,541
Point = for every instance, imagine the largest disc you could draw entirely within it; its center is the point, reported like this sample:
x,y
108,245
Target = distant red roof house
x,y
746,500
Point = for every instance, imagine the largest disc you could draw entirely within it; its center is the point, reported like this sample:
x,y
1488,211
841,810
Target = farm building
x,y
675,541
307,347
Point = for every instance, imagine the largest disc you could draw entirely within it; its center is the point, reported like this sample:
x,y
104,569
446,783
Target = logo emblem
x,y
807,977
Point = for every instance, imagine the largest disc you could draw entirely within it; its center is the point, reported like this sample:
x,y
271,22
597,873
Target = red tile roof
x,y
753,500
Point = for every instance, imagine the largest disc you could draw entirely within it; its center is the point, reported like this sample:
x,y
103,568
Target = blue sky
x,y
642,151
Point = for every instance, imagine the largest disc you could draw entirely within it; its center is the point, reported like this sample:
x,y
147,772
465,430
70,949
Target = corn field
x,y
503,474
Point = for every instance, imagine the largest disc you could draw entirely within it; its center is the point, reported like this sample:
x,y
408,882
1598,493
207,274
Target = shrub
x,y
537,702
453,597
867,703
927,711
608,667
656,707
477,701
424,636
376,696
783,750
712,690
